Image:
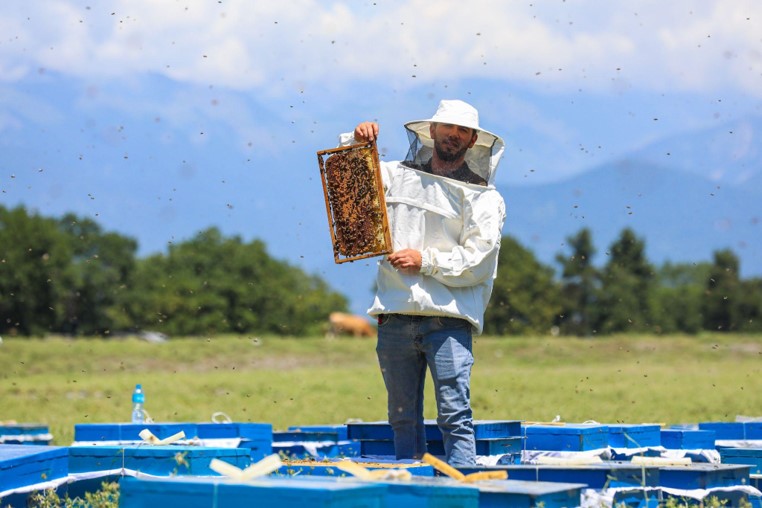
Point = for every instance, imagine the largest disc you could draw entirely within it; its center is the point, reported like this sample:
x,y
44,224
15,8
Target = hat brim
x,y
421,128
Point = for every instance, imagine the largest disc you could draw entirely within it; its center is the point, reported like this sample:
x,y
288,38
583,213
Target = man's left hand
x,y
407,260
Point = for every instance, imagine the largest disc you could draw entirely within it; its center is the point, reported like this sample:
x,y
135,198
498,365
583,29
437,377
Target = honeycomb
x,y
355,202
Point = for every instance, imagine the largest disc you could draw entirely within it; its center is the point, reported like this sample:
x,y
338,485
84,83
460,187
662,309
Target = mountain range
x,y
685,197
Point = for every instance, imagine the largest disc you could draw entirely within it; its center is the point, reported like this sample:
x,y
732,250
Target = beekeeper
x,y
446,219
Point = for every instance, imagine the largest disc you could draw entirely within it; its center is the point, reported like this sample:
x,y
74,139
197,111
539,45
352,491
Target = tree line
x,y
69,276
66,275
626,294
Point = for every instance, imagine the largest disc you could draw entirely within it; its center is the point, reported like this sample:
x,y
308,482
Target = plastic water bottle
x,y
138,398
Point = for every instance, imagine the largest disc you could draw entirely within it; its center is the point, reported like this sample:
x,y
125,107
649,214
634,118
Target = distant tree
x,y
580,282
216,284
33,272
750,306
723,296
101,267
627,280
677,297
525,298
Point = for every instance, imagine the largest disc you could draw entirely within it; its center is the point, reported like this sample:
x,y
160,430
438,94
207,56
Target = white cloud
x,y
648,45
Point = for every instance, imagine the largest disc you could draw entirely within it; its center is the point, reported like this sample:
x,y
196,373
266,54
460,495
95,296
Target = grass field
x,y
290,381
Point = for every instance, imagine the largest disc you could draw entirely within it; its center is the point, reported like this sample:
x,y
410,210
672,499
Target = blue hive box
x,y
338,432
663,496
120,432
317,449
483,429
22,466
305,435
753,430
750,456
429,492
262,493
678,439
703,476
25,433
570,437
244,431
497,446
725,430
255,437
634,435
155,460
328,467
129,432
527,494
595,476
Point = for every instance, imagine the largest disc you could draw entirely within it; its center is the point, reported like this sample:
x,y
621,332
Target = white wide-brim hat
x,y
455,112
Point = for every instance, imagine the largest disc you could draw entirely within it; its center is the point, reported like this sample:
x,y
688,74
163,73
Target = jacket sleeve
x,y
474,260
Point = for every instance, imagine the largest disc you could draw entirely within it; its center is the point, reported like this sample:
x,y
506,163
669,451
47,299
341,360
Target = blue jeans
x,y
406,346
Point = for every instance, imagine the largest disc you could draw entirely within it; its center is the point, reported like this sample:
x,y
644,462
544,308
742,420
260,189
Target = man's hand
x,y
366,132
406,260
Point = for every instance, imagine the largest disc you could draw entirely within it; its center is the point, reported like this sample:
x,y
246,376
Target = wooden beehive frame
x,y
354,202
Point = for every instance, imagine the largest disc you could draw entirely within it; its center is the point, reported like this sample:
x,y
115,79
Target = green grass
x,y
60,382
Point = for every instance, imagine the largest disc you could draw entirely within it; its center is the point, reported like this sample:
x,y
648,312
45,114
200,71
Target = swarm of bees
x,y
355,202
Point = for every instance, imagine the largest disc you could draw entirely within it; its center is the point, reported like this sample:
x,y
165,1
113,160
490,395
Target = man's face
x,y
451,141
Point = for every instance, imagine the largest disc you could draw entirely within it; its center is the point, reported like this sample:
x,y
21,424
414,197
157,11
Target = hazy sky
x,y
270,63
161,117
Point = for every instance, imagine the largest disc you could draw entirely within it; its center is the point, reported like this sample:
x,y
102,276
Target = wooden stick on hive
x,y
354,202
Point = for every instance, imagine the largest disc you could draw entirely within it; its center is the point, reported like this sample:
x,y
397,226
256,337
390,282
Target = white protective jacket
x,y
456,226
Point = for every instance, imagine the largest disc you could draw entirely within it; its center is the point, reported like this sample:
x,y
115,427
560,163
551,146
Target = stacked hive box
x,y
493,438
23,467
315,442
254,437
25,433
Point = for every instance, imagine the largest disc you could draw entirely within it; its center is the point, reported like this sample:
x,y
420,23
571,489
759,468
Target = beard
x,y
449,151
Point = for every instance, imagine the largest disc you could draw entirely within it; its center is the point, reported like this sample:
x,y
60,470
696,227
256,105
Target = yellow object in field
x,y
366,474
444,467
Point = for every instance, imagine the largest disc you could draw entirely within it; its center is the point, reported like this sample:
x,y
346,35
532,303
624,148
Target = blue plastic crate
x,y
678,439
634,435
155,460
570,437
526,494
750,456
263,493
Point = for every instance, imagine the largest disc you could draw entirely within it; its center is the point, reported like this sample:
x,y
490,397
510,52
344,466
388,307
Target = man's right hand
x,y
366,132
